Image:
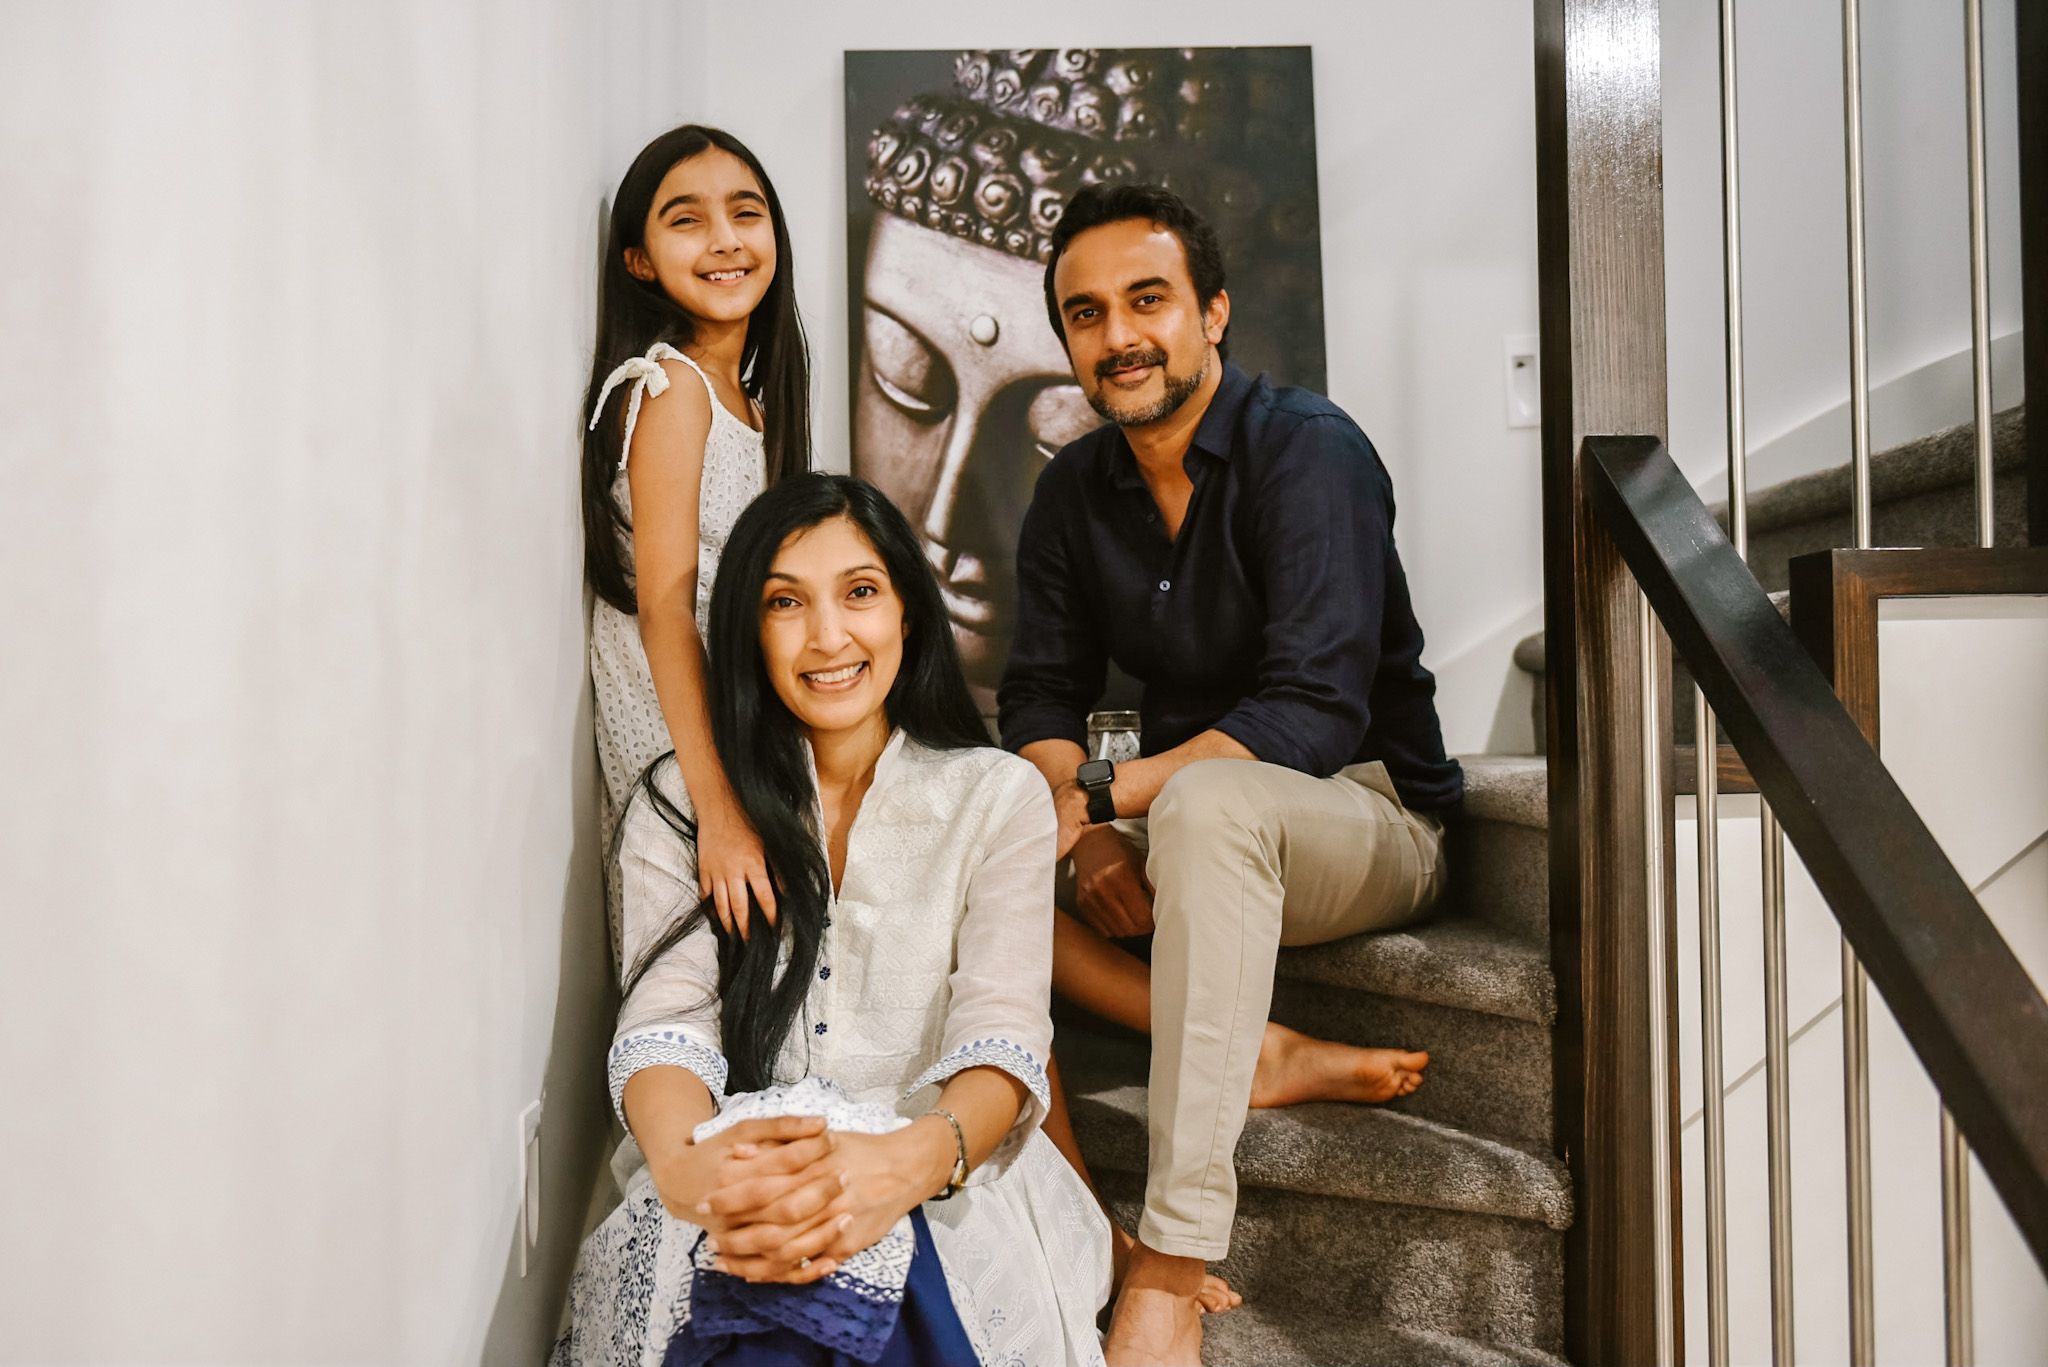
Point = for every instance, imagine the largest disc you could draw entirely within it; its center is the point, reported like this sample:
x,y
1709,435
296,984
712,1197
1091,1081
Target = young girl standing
x,y
699,398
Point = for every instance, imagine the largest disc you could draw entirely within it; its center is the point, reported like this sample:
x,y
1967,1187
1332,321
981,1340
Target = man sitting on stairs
x,y
1229,543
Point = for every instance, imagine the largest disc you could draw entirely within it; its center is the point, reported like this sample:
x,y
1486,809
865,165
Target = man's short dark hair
x,y
1100,204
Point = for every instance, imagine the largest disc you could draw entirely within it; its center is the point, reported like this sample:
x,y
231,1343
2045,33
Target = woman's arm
x,y
665,471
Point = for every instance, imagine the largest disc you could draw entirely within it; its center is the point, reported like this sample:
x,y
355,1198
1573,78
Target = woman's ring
x,y
803,1262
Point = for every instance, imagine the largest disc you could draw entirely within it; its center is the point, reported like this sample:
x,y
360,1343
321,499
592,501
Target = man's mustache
x,y
1128,360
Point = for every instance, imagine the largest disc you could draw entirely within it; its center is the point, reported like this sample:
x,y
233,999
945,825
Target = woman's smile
x,y
837,679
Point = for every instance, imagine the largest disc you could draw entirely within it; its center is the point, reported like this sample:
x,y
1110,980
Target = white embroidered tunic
x,y
937,956
630,730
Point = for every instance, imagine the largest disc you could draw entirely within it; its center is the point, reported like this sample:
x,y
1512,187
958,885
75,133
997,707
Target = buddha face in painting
x,y
961,396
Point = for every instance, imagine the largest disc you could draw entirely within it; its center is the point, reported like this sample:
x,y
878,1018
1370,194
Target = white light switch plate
x,y
1519,361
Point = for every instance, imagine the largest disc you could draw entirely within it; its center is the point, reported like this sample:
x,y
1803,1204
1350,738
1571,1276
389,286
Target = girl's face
x,y
832,628
708,242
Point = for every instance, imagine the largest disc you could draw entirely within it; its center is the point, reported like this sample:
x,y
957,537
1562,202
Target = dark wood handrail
x,y
1964,1002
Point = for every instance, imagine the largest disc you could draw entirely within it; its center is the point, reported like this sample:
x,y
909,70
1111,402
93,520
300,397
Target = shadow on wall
x,y
575,1123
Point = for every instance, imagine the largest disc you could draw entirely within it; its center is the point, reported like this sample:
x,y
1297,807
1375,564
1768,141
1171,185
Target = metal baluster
x,y
1661,1080
1707,800
1855,987
1980,263
1960,1313
1778,1089
1958,1297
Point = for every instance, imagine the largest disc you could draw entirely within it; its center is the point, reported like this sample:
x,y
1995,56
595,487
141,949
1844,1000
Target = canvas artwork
x,y
958,165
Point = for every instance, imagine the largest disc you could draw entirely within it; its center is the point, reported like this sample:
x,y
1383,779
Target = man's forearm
x,y
1056,759
1138,781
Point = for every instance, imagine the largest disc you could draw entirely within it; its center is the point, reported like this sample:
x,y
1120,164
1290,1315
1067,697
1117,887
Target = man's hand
x,y
1070,806
1110,891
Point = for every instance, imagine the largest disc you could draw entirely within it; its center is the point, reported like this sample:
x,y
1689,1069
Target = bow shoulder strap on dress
x,y
647,377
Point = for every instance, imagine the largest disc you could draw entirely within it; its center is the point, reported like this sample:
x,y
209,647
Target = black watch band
x,y
1095,776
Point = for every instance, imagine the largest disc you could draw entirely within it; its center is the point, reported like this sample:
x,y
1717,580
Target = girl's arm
x,y
665,470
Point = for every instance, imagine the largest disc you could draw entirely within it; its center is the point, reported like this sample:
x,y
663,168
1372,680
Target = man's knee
x,y
1204,805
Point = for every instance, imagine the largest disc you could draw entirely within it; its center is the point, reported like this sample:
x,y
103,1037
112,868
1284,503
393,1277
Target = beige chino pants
x,y
1245,857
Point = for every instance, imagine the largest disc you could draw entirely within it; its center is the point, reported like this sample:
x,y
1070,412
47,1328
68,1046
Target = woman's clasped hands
x,y
787,1200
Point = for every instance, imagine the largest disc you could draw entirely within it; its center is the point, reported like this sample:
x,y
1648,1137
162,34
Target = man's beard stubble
x,y
1179,388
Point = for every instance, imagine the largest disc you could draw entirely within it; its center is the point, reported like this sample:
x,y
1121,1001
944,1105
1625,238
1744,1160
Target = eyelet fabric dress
x,y
630,731
936,957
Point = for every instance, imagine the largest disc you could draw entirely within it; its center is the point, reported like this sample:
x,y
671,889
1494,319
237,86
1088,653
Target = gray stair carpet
x,y
1427,1231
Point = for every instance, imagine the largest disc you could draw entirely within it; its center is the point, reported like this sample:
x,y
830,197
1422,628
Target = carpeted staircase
x,y
1419,1234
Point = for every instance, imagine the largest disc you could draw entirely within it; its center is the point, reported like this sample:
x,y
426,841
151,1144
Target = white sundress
x,y
936,957
630,731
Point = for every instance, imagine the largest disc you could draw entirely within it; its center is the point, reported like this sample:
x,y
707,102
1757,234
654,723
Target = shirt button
x,y
818,1029
824,970
1165,584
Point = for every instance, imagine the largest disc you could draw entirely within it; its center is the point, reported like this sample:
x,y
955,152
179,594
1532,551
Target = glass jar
x,y
1113,736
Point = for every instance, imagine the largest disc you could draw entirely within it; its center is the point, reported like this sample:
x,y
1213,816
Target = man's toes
x,y
1415,1062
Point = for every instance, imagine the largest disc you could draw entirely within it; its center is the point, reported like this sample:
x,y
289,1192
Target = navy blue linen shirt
x,y
1279,616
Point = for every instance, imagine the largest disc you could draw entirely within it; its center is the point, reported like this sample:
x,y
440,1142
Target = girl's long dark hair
x,y
633,314
761,745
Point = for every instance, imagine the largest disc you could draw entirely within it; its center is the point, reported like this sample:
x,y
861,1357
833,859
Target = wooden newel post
x,y
1600,228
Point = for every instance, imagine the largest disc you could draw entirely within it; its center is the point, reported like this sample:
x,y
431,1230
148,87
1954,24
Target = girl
x,y
910,966
699,397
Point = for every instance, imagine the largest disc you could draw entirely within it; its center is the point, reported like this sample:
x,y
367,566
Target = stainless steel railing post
x,y
1980,265
1778,1089
1855,987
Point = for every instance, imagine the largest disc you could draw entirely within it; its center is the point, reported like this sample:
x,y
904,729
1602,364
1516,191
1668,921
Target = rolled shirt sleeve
x,y
1057,663
1324,526
999,1011
670,1018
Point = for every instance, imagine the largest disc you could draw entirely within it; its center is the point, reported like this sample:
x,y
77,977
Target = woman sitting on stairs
x,y
901,989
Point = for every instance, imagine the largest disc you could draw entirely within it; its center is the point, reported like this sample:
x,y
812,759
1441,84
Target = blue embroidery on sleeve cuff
x,y
650,1048
1013,1059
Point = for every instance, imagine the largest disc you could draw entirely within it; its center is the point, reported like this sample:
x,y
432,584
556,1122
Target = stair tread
x,y
1453,961
1291,1335
1508,788
1528,653
1365,1153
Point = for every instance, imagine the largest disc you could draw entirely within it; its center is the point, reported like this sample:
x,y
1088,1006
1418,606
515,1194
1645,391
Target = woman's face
x,y
832,628
708,240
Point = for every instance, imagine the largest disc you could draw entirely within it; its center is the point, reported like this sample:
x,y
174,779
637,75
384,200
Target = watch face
x,y
1093,772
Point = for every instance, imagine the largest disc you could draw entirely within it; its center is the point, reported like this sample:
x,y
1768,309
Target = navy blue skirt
x,y
928,1331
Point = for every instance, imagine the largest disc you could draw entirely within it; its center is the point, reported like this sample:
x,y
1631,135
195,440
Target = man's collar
x,y
1212,434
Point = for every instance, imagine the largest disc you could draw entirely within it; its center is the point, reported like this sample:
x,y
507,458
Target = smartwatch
x,y
1095,776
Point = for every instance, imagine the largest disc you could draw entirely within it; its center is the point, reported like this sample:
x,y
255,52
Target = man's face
x,y
962,396
1138,338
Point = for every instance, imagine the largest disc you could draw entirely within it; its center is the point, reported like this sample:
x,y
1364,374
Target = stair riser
x,y
1478,1276
1499,873
1489,1074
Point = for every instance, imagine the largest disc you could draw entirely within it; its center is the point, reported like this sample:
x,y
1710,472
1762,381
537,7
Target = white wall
x,y
1426,167
300,904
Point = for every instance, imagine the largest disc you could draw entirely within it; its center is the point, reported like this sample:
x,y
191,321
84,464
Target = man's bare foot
x,y
1294,1067
1215,1297
1157,1322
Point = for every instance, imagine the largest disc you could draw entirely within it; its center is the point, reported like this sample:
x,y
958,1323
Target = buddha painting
x,y
960,390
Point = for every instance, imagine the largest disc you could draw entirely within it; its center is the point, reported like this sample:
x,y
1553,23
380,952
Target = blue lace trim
x,y
1013,1059
662,1045
852,1311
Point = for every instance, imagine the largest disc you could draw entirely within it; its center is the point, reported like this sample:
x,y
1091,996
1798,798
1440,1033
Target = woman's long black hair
x,y
761,744
634,314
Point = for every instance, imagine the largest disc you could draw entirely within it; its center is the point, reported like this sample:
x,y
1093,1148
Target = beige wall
x,y
300,903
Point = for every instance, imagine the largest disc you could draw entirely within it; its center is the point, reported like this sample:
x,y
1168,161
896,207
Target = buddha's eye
x,y
908,370
1058,415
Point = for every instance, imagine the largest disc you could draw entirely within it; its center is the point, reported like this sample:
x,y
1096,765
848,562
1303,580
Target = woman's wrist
x,y
931,1154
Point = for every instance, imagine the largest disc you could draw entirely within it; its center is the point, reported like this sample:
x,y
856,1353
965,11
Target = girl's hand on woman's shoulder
x,y
731,864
